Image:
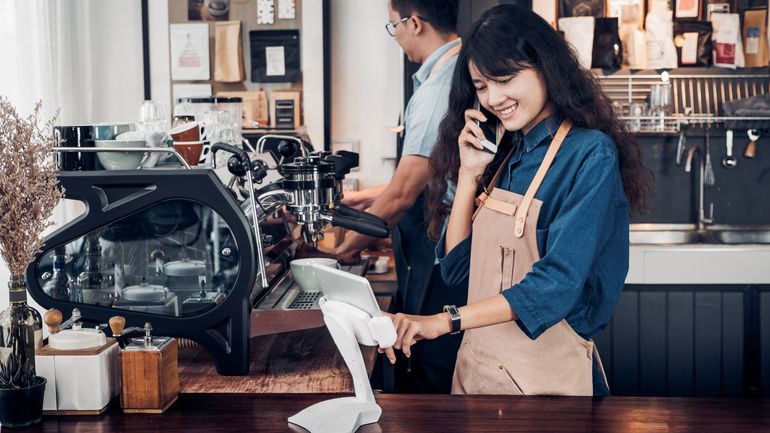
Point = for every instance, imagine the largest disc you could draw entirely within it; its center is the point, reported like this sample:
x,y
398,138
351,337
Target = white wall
x,y
82,57
367,85
546,9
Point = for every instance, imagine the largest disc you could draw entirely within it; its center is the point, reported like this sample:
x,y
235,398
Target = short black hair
x,y
441,14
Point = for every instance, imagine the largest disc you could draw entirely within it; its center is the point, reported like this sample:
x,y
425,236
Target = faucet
x,y
702,219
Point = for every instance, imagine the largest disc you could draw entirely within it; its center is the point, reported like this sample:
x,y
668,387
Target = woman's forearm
x,y
460,218
487,312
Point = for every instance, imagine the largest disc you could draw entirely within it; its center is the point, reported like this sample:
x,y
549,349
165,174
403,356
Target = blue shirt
x,y
582,232
429,102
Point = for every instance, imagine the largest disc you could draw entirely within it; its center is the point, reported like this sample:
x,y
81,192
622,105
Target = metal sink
x,y
664,234
677,234
737,234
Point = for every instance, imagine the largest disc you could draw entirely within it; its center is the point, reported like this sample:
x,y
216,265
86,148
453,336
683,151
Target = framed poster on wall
x,y
189,51
581,8
687,9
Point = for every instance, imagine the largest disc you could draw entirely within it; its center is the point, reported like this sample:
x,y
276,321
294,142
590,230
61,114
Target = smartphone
x,y
490,129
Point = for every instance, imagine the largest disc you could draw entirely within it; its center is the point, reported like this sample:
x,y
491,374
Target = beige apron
x,y
501,359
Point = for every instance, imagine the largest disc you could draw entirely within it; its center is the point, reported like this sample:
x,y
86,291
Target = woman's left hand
x,y
410,329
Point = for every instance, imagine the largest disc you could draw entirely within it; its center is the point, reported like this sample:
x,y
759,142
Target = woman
x,y
542,225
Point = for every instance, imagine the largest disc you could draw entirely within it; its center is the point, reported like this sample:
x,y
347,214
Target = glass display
x,y
175,258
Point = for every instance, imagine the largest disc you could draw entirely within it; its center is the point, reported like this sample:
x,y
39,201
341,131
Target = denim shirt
x,y
428,104
582,232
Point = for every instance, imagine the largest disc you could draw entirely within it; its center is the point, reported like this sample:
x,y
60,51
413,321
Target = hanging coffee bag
x,y
607,50
693,42
661,52
755,38
579,32
632,37
728,47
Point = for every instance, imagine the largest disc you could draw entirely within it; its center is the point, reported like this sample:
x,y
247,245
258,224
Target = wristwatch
x,y
454,315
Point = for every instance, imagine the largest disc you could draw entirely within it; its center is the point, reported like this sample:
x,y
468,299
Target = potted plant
x,y
29,190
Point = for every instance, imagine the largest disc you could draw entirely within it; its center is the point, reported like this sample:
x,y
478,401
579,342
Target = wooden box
x,y
285,109
150,379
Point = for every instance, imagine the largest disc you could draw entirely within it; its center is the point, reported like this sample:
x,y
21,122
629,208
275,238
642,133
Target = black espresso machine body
x,y
171,247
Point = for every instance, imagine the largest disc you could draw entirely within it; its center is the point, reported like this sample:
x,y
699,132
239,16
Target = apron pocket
x,y
506,267
588,345
512,379
479,373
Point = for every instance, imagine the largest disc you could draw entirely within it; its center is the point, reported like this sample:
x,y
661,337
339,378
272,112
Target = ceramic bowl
x,y
120,160
145,293
304,275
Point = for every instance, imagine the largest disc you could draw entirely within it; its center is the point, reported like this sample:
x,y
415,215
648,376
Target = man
x,y
427,32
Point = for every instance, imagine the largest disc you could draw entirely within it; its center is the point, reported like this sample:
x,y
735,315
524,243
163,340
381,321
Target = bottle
x,y
58,287
91,284
21,327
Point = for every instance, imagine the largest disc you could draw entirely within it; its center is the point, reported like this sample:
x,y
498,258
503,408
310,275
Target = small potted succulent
x,y
29,191
21,391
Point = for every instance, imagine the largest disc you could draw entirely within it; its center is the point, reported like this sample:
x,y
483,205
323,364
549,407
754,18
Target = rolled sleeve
x,y
576,237
455,265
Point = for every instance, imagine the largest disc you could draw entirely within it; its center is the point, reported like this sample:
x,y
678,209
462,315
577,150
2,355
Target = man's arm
x,y
408,182
363,199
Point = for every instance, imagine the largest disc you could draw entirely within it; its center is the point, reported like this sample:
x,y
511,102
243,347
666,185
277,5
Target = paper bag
x,y
228,52
755,38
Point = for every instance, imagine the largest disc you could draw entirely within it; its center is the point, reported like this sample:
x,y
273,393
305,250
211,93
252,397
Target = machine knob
x,y
117,324
53,319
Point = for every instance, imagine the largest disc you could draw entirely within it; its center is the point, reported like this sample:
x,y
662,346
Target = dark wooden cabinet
x,y
689,340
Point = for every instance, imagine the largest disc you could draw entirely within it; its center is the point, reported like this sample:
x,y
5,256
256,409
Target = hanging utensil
x,y
681,145
751,146
708,171
729,160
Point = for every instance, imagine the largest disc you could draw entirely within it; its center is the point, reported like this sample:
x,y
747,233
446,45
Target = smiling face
x,y
520,101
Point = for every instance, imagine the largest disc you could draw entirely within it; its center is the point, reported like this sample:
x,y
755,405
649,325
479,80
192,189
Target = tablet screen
x,y
342,286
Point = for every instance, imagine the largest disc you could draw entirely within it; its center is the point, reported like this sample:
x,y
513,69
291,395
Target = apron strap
x,y
521,214
446,56
453,51
484,196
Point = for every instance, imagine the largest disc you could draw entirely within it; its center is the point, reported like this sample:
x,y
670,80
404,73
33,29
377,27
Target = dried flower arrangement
x,y
29,186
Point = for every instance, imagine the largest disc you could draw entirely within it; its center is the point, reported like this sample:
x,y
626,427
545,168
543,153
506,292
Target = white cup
x,y
305,276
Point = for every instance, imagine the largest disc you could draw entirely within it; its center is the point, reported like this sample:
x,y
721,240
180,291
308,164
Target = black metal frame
x,y
110,195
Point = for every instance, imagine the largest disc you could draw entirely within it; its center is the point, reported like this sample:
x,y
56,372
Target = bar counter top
x,y
233,413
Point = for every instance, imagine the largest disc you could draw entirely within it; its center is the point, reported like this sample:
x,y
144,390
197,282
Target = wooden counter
x,y
439,413
297,362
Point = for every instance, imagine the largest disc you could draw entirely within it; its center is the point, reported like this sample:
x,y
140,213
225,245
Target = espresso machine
x,y
201,258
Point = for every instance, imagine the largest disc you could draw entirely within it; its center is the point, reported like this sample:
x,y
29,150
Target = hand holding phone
x,y
486,143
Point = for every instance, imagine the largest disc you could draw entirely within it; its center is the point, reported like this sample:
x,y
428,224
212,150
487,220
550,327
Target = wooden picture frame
x,y
687,9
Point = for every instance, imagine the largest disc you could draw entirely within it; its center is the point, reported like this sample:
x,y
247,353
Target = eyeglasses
x,y
391,27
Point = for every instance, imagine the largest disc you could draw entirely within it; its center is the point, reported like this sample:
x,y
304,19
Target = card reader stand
x,y
349,325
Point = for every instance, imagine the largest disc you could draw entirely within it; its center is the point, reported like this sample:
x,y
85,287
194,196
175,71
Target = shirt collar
x,y
545,129
422,74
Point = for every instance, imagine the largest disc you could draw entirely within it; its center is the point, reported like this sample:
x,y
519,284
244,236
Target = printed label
x,y
752,40
725,53
690,48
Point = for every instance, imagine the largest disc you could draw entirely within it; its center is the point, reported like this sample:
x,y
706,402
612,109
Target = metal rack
x,y
700,95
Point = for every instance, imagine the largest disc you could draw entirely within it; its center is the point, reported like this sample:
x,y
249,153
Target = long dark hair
x,y
505,40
